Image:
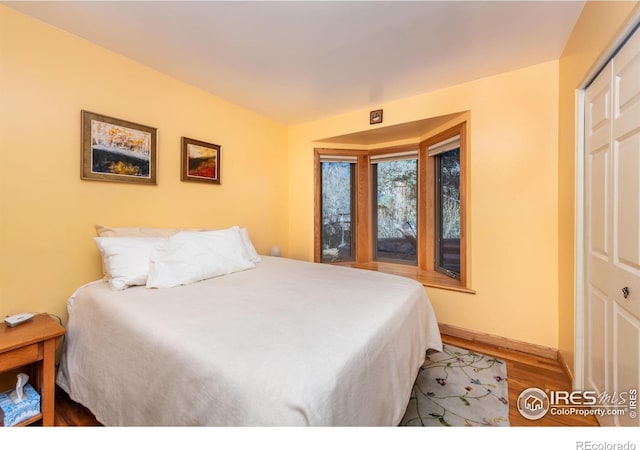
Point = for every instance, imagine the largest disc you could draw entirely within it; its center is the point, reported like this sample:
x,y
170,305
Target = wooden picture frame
x,y
375,117
200,161
117,150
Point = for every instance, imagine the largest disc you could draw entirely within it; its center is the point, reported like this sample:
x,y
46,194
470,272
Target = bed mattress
x,y
285,344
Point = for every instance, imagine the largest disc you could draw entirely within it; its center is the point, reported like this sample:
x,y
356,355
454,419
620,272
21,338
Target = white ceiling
x,y
296,61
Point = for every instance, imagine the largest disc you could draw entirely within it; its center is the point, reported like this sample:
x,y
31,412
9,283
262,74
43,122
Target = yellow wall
x,y
47,214
513,197
598,26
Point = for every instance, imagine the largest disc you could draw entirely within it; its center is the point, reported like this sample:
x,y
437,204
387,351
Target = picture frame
x,y
200,162
117,150
375,117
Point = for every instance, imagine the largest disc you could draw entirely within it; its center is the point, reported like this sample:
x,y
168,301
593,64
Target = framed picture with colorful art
x,y
117,150
200,161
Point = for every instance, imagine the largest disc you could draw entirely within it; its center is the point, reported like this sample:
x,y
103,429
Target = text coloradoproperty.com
x,y
571,410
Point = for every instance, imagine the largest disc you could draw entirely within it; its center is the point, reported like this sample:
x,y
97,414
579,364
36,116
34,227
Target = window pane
x,y
337,209
396,210
449,211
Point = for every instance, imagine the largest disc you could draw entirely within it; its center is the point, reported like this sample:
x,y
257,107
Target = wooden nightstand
x,y
34,343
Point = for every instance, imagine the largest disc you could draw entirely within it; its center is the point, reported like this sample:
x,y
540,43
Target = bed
x,y
284,343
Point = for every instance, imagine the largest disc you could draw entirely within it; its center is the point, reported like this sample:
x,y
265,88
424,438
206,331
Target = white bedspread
x,y
287,343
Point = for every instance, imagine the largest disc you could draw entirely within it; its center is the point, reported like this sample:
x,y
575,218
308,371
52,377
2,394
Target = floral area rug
x,y
458,387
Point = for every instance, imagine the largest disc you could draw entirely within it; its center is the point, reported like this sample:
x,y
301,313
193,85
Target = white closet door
x,y
597,233
625,289
612,229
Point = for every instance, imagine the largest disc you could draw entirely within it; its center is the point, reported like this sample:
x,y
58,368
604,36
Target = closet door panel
x,y
598,184
626,177
597,373
626,360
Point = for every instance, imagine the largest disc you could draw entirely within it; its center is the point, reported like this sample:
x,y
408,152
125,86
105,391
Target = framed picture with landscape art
x,y
200,161
117,150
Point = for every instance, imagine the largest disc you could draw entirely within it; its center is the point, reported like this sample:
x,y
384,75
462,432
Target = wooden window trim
x,y
424,272
317,204
430,194
368,199
425,277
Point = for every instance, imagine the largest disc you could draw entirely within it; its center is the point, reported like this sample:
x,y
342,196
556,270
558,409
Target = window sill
x,y
427,278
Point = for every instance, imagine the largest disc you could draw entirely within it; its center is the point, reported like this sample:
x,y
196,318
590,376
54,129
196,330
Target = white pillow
x,y
253,254
190,256
126,259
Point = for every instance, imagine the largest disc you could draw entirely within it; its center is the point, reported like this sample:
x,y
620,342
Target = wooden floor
x,y
523,371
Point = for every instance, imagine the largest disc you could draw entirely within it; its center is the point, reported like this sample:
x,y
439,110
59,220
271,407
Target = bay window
x,y
400,210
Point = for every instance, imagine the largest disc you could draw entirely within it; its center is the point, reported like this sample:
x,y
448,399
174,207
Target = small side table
x,y
34,343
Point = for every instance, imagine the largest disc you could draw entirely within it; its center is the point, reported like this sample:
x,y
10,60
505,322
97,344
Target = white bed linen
x,y
287,343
